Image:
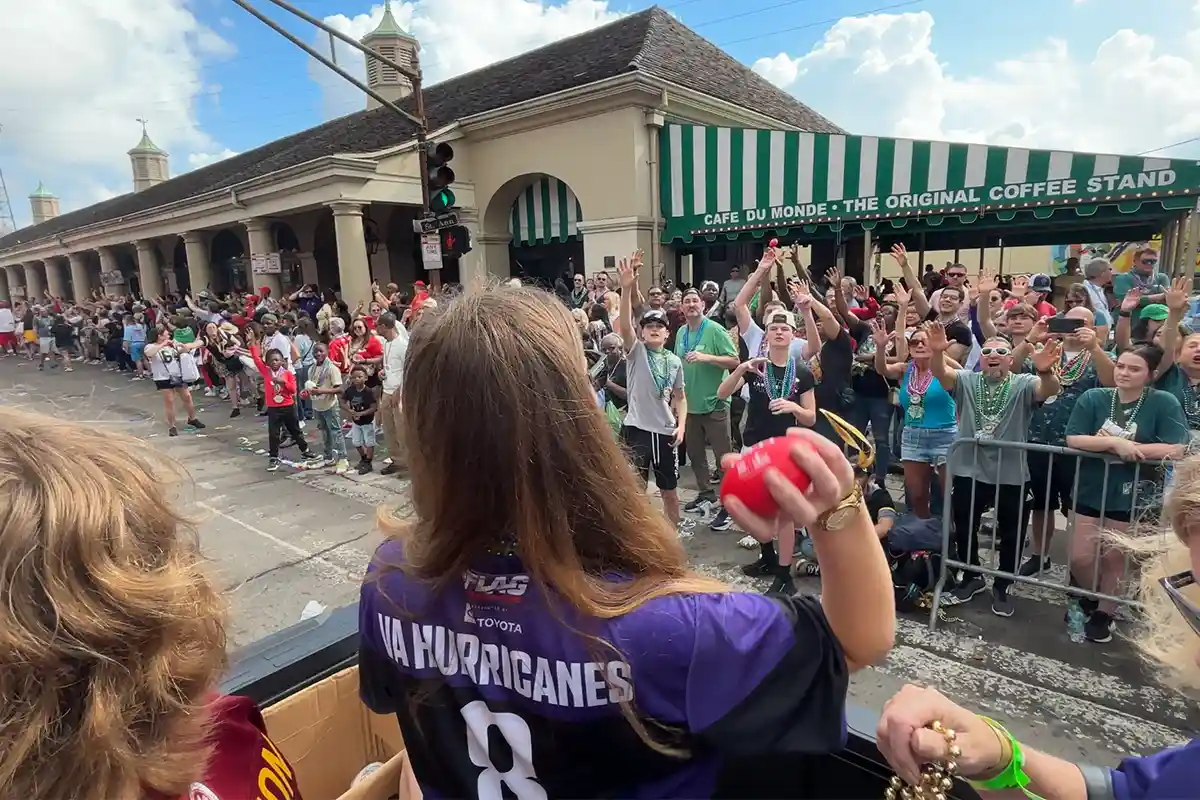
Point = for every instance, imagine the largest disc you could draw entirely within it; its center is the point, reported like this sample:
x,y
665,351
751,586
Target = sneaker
x,y
172,431
966,591
237,412
328,462
364,467
763,568
313,461
1033,565
272,464
702,504
209,392
686,528
68,369
1002,604
391,469
341,467
782,584
195,423
1099,627
809,569
723,521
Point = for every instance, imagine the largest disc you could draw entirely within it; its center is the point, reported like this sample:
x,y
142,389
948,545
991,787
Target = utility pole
x,y
412,73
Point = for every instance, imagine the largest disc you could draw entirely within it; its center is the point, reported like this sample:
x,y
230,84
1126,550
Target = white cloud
x,y
456,36
881,74
197,160
70,121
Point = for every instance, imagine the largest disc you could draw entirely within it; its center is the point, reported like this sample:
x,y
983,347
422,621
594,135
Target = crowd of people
x,y
927,366
551,628
304,357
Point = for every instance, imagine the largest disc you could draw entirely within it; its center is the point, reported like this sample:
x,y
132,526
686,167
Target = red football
x,y
773,243
745,479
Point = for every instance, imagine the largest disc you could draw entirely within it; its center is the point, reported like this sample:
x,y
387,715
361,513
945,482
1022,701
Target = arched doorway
x,y
227,255
325,253
544,224
287,244
179,267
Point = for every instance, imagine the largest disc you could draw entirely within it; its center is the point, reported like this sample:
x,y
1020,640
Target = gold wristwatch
x,y
840,515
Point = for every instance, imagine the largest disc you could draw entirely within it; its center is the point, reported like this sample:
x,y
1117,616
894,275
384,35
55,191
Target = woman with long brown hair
x,y
539,597
112,634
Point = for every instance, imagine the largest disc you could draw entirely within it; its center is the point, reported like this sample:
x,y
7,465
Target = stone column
x,y
262,244
108,263
148,271
199,268
5,296
353,266
55,279
15,278
35,288
81,279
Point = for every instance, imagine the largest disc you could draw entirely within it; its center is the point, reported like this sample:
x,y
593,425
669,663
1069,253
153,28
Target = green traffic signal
x,y
441,200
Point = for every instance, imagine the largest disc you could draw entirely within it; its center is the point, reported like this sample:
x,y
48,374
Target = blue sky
x,y
212,80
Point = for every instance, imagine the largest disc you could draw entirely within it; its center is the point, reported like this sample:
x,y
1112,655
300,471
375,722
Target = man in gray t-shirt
x,y
992,405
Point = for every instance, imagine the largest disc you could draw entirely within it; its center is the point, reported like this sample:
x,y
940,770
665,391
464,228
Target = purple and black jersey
x,y
501,689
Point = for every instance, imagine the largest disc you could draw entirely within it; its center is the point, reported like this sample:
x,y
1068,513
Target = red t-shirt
x,y
1043,308
245,762
276,396
419,299
372,349
337,349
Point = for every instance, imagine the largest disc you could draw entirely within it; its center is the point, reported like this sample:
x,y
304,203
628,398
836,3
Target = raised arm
x,y
938,344
741,303
1044,363
900,256
882,337
1177,304
628,277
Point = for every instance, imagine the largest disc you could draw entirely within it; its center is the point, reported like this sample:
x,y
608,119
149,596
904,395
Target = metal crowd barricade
x,y
1142,519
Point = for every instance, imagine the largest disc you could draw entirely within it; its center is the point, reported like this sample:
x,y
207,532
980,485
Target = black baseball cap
x,y
655,316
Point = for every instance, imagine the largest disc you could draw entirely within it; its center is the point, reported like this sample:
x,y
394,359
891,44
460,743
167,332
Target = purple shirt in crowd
x,y
497,683
1167,775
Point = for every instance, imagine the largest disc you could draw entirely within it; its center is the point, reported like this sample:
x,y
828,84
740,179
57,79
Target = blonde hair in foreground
x,y
111,634
1164,637
526,457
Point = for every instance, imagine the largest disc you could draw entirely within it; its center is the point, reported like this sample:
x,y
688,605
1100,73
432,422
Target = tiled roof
x,y
650,41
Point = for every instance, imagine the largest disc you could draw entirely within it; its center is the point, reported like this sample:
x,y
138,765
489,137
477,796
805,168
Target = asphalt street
x,y
279,541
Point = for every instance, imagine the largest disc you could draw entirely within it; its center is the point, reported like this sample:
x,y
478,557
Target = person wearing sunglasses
x,y
1144,276
1168,636
996,405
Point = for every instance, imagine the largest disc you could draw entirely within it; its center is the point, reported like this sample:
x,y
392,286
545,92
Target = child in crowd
x,y
280,395
359,404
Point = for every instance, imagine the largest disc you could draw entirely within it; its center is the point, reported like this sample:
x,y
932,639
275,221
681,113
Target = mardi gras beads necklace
x,y
1115,404
918,383
660,368
780,389
1074,368
990,403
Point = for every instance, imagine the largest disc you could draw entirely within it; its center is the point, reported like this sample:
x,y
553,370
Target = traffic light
x,y
439,176
456,241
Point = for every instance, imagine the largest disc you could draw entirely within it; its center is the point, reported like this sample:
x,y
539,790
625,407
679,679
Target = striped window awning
x,y
547,211
720,180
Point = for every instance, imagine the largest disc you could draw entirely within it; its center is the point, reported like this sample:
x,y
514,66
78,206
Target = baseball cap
x,y
780,316
265,291
654,316
1039,283
1154,311
419,283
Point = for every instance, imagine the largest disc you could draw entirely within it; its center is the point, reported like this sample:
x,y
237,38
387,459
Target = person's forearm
x,y
615,390
724,362
856,589
729,385
1092,444
1161,450
937,365
806,413
1105,369
1048,385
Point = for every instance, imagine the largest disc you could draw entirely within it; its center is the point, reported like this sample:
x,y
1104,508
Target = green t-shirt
x,y
700,381
1175,381
1159,421
1122,282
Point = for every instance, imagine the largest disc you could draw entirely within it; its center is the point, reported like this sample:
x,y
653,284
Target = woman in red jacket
x,y
112,634
279,388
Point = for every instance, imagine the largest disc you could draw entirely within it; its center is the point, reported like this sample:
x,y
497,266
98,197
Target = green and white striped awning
x,y
546,211
720,180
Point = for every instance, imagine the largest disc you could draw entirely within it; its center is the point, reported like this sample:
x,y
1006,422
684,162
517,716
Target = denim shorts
x,y
926,445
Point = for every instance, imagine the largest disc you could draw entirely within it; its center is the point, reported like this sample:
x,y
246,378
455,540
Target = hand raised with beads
x,y
907,740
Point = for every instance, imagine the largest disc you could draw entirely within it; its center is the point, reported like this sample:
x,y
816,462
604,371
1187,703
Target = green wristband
x,y
1012,776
